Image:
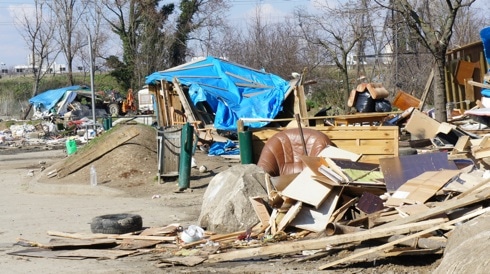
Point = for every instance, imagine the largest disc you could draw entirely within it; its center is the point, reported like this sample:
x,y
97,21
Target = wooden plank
x,y
260,209
403,239
111,236
441,208
290,215
320,243
97,253
93,153
188,109
426,89
133,244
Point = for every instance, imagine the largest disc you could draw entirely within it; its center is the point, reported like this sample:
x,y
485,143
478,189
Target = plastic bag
x,y
382,105
364,102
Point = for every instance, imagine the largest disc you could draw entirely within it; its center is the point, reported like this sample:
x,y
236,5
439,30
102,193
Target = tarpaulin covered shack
x,y
220,90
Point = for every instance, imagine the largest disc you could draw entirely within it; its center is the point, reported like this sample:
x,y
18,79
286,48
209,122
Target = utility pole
x,y
92,86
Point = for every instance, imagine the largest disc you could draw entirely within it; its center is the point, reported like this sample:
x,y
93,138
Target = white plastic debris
x,y
192,234
203,169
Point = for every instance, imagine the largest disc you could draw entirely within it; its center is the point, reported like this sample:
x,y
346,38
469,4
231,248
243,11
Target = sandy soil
x,y
33,205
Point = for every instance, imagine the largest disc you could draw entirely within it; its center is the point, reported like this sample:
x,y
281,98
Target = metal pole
x,y
92,86
185,156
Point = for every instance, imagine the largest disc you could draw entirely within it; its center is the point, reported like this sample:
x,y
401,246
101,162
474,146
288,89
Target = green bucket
x,y
71,146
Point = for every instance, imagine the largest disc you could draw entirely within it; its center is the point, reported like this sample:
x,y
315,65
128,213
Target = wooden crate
x,y
372,142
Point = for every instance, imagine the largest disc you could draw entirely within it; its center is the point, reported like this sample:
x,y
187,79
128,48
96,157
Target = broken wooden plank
x,y
321,243
290,215
185,261
441,208
96,253
403,239
260,209
133,244
111,236
95,152
154,231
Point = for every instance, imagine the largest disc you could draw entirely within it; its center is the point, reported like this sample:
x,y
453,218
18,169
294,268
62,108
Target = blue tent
x,y
232,91
48,99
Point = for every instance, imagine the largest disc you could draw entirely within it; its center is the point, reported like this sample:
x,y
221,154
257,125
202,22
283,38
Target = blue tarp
x,y
48,99
232,91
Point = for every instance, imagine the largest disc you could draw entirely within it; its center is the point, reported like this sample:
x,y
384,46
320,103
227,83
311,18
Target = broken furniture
x,y
281,153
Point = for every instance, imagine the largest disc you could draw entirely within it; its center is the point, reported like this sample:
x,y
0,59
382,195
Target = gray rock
x,y
467,248
226,206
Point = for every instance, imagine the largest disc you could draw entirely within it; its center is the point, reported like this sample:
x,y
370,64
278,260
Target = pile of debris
x,y
405,205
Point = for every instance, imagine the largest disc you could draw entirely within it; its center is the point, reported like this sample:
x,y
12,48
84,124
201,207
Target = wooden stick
x,y
403,239
297,246
111,236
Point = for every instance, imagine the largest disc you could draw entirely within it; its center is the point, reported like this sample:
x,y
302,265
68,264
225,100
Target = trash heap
x,y
404,205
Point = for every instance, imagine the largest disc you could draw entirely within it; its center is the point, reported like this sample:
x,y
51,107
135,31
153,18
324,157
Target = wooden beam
x,y
426,89
95,153
191,116
441,208
403,239
297,246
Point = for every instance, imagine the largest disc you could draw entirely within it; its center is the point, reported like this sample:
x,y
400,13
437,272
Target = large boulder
x,y
467,248
226,206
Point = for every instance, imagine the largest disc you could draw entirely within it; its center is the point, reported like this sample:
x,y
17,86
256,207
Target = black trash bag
x,y
364,102
382,105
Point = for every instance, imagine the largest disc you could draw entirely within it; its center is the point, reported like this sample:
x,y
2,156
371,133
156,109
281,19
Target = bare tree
x,y
69,14
38,31
433,22
336,35
266,45
467,26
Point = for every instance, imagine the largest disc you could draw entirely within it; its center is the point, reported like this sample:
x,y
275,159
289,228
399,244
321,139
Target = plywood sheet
x,y
316,220
305,189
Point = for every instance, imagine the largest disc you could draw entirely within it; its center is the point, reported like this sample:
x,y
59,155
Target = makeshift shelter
x,y
218,92
57,100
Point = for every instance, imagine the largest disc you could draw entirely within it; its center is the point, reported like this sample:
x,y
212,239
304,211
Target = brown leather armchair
x,y
281,153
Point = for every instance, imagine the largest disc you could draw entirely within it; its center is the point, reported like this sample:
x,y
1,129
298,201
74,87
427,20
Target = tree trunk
x,y
440,91
346,90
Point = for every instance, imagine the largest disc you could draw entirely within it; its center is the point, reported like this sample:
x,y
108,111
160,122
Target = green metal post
x,y
185,156
245,143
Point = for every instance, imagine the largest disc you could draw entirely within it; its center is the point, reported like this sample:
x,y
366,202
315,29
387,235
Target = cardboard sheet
x,y
398,170
421,188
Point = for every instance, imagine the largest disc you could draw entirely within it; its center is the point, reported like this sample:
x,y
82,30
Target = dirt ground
x,y
33,204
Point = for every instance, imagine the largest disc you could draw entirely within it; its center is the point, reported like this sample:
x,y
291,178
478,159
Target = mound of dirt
x,y
132,166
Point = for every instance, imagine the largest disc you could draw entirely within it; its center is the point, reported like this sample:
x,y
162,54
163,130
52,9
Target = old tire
x,y
116,223
114,109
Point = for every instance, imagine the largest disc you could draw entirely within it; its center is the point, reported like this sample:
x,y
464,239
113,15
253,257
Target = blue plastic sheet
x,y
232,91
223,148
48,99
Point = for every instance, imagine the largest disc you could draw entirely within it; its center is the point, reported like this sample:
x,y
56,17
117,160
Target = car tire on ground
x,y
116,223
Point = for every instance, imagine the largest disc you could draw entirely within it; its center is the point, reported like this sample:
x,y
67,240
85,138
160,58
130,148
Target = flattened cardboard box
x,y
421,188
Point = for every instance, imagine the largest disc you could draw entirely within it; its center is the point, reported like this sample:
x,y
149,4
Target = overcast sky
x,y
13,49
